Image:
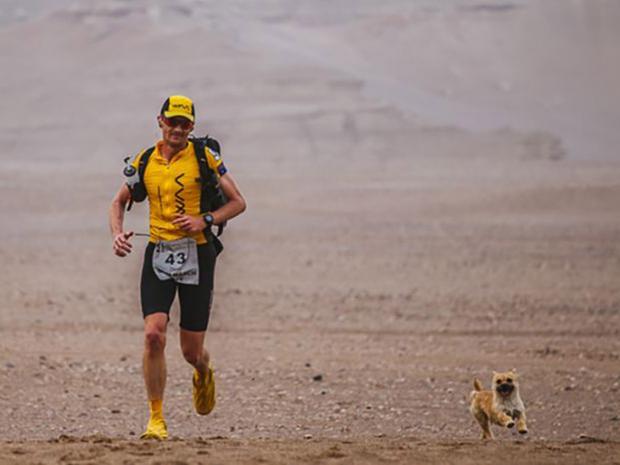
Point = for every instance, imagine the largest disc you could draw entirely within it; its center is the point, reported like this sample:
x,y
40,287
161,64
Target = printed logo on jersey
x,y
179,201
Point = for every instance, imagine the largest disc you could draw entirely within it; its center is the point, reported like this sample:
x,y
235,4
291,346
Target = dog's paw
x,y
510,424
523,431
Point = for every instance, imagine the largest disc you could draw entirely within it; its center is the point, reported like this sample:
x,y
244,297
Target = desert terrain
x,y
433,194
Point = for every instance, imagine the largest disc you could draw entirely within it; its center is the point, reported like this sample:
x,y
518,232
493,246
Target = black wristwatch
x,y
208,219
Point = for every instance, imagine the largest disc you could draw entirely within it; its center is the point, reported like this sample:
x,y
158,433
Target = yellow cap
x,y
178,105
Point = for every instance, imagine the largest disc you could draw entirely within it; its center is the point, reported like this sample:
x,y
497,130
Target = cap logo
x,y
181,106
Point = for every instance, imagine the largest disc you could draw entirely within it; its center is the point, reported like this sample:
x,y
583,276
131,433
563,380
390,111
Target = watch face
x,y
208,219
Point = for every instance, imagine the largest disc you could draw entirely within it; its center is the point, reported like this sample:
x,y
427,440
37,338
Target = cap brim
x,y
172,114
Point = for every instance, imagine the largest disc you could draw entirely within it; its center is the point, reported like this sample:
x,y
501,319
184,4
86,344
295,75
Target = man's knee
x,y
154,339
192,355
192,346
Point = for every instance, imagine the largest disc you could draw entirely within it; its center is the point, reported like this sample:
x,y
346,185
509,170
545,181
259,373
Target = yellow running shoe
x,y
156,429
204,392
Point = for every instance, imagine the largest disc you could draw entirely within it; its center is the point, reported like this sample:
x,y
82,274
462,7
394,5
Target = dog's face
x,y
505,384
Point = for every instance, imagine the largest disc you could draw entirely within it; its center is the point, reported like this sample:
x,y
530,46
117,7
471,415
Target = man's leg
x,y
154,369
195,311
154,360
156,297
192,345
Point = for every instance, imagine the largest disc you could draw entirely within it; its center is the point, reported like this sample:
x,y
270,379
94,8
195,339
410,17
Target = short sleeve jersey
x,y
173,188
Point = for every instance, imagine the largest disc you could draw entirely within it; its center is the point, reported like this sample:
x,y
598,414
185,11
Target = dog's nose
x,y
504,388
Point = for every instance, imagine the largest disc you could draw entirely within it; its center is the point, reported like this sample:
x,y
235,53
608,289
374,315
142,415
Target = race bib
x,y
176,260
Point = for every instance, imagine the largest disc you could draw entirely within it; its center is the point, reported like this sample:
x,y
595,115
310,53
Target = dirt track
x,y
411,451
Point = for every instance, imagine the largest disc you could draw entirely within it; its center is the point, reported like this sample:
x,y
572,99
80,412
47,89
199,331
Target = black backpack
x,y
212,196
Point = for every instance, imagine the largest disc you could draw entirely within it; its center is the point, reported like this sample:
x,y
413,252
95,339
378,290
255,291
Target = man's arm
x,y
121,244
236,202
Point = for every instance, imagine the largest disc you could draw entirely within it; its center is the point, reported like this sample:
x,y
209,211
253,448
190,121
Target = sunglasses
x,y
175,121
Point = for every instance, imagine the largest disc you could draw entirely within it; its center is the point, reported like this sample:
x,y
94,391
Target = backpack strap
x,y
213,144
212,197
137,189
144,159
207,175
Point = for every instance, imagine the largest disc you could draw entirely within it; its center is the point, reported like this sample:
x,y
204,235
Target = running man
x,y
181,253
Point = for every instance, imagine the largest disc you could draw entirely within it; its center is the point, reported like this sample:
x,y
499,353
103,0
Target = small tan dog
x,y
502,405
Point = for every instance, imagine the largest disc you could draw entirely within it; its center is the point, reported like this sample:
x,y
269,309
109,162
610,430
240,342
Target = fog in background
x,y
85,69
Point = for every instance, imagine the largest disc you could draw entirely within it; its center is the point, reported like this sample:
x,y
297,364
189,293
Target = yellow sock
x,y
156,407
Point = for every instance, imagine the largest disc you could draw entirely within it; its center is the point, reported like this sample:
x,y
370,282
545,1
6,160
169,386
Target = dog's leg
x,y
521,425
505,420
483,420
486,429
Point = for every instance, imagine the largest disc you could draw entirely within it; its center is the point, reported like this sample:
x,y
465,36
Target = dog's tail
x,y
477,384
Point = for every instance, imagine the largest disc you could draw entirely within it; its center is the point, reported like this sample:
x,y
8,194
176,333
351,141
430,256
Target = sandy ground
x,y
407,231
105,450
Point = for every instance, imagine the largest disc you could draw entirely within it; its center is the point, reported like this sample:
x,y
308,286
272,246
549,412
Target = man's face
x,y
175,130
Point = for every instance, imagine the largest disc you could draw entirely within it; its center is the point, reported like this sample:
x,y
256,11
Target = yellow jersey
x,y
173,188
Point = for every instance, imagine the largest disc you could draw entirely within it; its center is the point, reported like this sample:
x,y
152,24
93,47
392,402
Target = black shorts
x,y
157,296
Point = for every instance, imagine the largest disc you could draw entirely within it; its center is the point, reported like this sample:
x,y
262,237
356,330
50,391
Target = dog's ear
x,y
514,370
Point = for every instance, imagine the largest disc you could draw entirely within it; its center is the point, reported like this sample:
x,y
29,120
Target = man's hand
x,y
192,224
121,244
